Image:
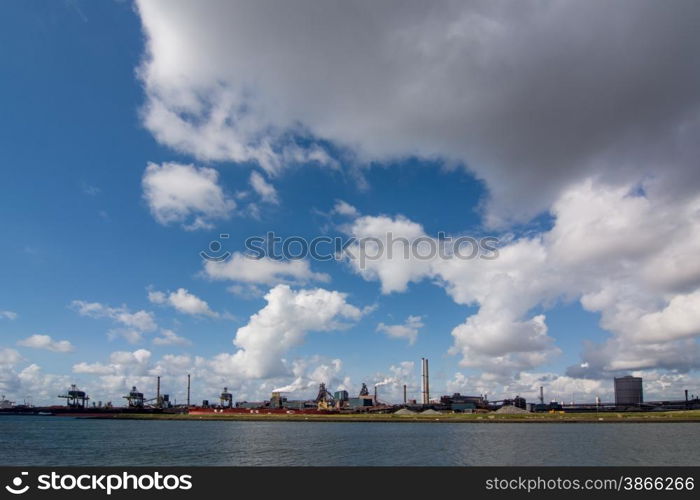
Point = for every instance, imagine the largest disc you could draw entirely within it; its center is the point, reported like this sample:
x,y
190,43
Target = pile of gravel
x,y
404,411
430,412
511,410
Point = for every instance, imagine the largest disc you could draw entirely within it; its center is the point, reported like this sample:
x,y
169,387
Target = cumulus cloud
x,y
408,330
186,195
557,387
138,361
46,342
282,325
169,337
623,252
28,382
263,271
9,357
380,239
8,315
265,190
531,98
134,325
344,208
183,301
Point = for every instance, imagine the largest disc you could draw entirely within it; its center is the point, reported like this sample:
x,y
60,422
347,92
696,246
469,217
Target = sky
x,y
143,143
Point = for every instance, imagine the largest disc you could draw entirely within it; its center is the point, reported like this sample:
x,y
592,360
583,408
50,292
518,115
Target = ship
x,y
6,404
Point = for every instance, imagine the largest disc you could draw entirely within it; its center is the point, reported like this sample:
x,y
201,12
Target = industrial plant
x,y
628,391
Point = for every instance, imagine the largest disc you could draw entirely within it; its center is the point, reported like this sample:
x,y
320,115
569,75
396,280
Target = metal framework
x,y
226,399
324,399
75,398
134,398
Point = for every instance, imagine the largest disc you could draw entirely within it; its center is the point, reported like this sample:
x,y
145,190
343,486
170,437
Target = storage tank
x,y
628,391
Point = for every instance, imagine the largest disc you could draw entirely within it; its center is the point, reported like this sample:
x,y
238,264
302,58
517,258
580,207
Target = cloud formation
x,y
265,190
169,337
282,325
8,315
624,253
186,195
134,325
46,342
408,330
531,98
263,271
183,301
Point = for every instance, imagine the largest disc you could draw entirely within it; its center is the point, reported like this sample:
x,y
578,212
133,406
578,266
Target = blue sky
x,y
95,92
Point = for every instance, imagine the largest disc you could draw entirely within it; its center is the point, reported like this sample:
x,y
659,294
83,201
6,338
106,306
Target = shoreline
x,y
691,416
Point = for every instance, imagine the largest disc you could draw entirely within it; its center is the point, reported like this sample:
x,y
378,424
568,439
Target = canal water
x,y
56,441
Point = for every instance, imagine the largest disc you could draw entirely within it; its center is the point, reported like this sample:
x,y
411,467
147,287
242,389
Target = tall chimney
x,y
158,392
541,395
188,390
686,395
404,394
375,395
426,382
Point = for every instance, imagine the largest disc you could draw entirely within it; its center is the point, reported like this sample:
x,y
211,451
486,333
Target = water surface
x,y
54,441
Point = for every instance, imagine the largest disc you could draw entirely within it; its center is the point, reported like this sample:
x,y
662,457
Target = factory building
x,y
458,402
628,391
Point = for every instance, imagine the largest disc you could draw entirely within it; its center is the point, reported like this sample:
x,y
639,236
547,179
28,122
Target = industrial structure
x,y
425,381
6,404
226,399
75,398
628,391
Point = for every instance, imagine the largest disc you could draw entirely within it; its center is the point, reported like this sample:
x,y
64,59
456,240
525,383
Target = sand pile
x,y
430,412
404,411
511,410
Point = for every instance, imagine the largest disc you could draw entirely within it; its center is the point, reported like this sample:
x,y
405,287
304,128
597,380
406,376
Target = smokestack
x,y
426,382
188,390
375,394
404,394
686,395
158,392
541,395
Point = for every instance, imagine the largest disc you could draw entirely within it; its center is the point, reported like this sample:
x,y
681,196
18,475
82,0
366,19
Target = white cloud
x,y
140,320
607,247
169,337
556,387
186,195
8,315
265,270
386,259
408,330
485,84
344,208
93,368
46,342
9,357
134,325
183,301
282,325
267,191
29,382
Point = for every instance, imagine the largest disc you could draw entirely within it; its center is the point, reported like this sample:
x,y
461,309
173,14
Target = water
x,y
54,441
